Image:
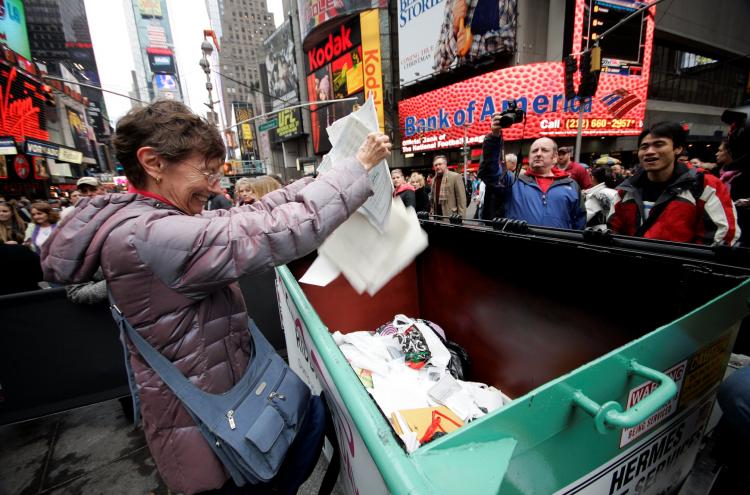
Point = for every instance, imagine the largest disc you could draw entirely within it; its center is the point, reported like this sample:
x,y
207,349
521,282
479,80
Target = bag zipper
x,y
230,413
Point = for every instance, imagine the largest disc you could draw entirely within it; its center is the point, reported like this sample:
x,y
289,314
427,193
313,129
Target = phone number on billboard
x,y
601,123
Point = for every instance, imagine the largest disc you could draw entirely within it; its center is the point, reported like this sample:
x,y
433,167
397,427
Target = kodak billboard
x,y
345,63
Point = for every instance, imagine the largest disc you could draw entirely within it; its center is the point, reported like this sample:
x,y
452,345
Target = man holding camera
x,y
544,196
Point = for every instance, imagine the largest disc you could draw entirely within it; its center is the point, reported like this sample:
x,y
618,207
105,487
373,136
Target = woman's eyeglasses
x,y
212,179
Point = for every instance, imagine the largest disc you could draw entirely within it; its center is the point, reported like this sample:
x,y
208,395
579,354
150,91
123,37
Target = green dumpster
x,y
611,351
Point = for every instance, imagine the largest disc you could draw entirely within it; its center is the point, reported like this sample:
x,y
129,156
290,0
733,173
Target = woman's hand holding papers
x,y
376,148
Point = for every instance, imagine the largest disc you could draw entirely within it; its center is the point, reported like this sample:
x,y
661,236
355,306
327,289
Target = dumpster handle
x,y
611,414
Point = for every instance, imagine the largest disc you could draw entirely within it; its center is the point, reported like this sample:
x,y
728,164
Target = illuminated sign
x,y
623,48
41,171
13,27
35,148
290,125
150,8
166,82
21,105
7,145
443,118
351,67
161,60
313,13
371,52
242,113
341,40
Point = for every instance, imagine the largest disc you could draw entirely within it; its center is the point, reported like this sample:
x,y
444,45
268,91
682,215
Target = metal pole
x,y
466,153
291,107
579,134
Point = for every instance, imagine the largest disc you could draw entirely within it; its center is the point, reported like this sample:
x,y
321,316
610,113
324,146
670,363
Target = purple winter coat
x,y
174,276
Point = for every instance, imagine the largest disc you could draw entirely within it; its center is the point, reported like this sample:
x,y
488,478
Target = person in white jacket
x,y
600,196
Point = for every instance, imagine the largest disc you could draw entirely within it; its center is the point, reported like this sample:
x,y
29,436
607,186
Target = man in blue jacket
x,y
544,196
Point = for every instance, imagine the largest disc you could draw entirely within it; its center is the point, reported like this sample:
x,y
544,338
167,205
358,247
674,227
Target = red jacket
x,y
578,173
695,207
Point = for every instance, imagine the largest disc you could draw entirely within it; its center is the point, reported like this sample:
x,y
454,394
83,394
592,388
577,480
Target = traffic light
x,y
589,74
570,69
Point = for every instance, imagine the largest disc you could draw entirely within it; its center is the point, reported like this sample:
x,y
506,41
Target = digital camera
x,y
511,115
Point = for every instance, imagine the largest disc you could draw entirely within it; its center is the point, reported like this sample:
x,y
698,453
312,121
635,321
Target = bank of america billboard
x,y
313,13
439,35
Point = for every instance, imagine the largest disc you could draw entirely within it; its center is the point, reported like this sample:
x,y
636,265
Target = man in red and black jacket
x,y
670,201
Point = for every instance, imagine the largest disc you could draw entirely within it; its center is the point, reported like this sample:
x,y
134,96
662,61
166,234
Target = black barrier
x,y
56,355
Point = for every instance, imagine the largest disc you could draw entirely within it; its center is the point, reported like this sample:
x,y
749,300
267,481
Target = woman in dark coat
x,y
420,192
403,189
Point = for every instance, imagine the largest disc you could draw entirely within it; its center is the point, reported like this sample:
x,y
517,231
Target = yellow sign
x,y
370,25
150,7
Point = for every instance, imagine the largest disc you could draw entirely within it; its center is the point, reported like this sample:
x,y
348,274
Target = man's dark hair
x,y
604,174
439,157
172,129
671,130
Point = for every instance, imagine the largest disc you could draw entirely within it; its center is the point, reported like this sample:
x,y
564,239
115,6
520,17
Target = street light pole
x,y
205,64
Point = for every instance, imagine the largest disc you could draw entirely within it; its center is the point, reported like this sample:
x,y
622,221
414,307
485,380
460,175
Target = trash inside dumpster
x,y
611,357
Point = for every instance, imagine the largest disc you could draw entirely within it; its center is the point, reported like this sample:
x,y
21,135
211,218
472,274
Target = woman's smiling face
x,y
189,183
39,217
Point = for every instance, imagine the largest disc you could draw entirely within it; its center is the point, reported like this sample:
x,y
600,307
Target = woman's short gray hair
x,y
243,182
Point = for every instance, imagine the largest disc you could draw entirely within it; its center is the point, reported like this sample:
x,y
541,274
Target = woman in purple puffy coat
x,y
173,267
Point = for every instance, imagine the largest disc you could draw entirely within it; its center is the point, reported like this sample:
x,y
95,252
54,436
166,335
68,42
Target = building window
x,y
696,78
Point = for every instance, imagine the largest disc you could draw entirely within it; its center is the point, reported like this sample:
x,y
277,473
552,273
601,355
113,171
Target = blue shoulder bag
x,y
251,426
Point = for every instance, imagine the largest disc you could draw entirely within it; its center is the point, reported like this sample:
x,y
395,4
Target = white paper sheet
x,y
322,272
347,135
370,259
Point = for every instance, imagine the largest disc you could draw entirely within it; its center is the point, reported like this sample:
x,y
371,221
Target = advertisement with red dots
x,y
461,113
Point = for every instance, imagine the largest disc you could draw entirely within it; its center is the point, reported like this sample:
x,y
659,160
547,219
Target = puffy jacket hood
x,y
72,253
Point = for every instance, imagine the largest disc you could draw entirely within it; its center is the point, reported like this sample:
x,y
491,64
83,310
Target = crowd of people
x,y
665,196
171,251
26,225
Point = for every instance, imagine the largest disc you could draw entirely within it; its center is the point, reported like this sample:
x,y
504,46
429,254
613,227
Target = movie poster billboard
x,y
80,132
243,112
281,66
439,35
313,13
346,64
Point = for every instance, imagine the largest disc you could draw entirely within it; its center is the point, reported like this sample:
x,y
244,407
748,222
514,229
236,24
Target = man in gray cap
x,y
90,186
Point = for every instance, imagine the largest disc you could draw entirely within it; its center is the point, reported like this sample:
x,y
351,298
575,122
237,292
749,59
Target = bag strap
x,y
194,399
168,372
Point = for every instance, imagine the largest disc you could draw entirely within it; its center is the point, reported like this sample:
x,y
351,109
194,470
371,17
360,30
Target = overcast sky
x,y
114,58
